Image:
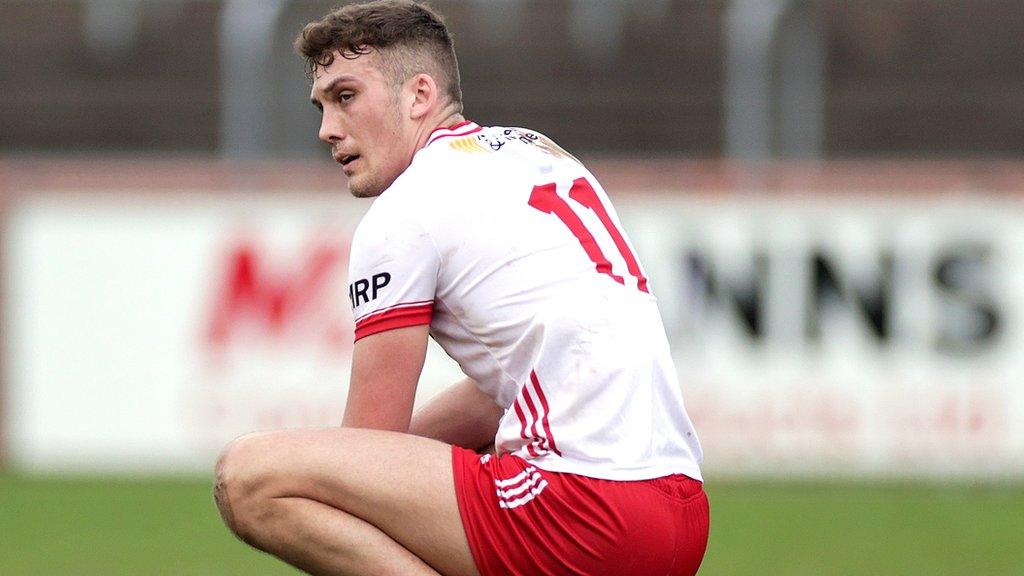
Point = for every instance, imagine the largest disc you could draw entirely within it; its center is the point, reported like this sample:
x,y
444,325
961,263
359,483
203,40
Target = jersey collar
x,y
463,128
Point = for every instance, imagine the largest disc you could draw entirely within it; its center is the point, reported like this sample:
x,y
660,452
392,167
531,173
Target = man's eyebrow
x,y
330,88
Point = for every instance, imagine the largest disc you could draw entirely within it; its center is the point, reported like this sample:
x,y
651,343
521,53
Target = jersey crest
x,y
469,144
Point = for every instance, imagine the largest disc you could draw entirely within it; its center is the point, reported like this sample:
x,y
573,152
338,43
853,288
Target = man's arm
x,y
461,415
385,371
386,368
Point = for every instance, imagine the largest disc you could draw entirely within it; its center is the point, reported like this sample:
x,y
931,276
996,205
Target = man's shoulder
x,y
414,200
444,167
393,211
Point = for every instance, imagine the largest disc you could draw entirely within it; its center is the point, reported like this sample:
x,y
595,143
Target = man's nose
x,y
330,129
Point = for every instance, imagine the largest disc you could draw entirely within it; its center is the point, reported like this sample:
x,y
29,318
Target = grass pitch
x,y
146,527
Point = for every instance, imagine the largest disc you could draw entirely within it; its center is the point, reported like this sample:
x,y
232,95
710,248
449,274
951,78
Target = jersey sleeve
x,y
393,270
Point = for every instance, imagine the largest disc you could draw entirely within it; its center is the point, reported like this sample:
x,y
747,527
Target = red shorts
x,y
521,520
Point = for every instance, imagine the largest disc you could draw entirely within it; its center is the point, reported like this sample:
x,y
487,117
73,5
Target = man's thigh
x,y
400,483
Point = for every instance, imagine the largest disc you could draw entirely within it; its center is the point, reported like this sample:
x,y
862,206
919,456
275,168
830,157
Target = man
x,y
504,249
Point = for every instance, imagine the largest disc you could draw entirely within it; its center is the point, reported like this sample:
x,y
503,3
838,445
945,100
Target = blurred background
x,y
826,195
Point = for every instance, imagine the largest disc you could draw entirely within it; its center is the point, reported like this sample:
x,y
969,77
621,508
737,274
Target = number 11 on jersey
x,y
545,199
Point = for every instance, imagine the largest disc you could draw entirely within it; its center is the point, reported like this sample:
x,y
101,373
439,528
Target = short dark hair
x,y
411,38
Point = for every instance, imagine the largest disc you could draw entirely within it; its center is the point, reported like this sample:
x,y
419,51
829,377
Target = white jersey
x,y
509,248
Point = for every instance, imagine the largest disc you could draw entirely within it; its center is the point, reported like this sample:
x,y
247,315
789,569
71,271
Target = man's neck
x,y
445,120
450,121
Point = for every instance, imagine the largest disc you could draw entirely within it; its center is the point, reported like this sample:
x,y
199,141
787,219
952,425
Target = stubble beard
x,y
364,189
372,184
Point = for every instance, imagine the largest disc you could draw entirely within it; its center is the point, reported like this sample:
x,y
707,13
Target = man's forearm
x,y
460,415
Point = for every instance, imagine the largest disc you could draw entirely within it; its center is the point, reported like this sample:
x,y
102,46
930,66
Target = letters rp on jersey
x,y
365,289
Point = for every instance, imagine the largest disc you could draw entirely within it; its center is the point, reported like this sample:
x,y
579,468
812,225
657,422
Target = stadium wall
x,y
838,319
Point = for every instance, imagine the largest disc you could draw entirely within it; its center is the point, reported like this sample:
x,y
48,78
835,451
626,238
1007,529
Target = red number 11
x,y
546,200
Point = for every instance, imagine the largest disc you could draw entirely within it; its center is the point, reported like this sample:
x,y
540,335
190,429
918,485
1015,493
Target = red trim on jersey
x,y
544,404
398,316
473,129
522,428
369,315
538,440
537,437
454,127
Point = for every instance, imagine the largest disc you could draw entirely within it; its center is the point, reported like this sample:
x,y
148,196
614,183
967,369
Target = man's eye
x,y
345,96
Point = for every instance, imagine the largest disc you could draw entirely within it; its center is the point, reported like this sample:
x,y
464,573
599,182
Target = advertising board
x,y
852,335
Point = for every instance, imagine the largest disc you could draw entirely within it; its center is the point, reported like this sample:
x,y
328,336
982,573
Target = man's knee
x,y
245,485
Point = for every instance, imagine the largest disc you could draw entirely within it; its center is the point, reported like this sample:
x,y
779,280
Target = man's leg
x,y
346,501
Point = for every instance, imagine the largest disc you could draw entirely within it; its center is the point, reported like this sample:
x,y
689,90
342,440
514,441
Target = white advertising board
x,y
846,336
146,334
814,336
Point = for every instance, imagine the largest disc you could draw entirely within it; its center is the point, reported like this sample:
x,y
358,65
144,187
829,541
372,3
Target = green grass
x,y
119,527
871,529
147,527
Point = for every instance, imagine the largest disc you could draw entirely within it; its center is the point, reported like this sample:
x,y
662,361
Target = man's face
x,y
363,122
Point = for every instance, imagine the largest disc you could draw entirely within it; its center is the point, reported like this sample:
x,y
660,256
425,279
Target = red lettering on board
x,y
303,298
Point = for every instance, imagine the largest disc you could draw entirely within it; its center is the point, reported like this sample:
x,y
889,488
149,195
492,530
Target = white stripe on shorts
x,y
530,496
533,481
529,483
516,480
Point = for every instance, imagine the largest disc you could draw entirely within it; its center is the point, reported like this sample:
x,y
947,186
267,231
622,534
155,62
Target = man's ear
x,y
424,94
